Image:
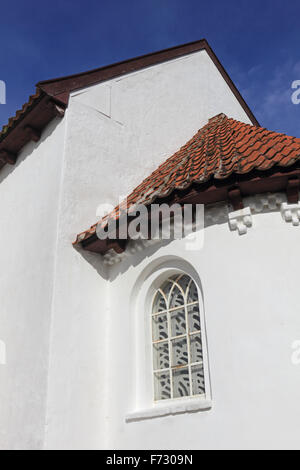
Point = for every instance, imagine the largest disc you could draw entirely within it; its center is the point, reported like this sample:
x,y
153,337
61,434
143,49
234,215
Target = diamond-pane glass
x,y
179,352
196,348
192,293
181,383
183,281
162,386
176,298
160,327
161,356
177,341
193,317
178,322
198,381
167,286
159,303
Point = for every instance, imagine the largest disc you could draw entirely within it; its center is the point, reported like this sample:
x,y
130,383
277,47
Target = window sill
x,y
171,408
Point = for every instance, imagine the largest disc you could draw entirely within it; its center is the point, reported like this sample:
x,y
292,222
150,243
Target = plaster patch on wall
x,y
96,98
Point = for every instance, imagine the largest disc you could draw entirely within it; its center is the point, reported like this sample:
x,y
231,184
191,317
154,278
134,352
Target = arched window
x,y
176,340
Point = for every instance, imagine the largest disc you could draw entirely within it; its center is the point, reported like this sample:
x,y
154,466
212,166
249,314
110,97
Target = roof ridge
x,y
32,99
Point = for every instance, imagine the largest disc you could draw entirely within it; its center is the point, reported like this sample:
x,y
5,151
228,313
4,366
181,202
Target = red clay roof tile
x,y
222,147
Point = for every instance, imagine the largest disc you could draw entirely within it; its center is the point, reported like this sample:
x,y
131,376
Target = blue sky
x,y
257,42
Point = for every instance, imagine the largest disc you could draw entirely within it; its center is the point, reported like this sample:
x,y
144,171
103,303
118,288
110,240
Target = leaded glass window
x,y
178,369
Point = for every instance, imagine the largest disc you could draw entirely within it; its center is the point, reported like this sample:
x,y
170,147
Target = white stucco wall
x,y
76,346
250,294
28,207
131,124
117,133
68,320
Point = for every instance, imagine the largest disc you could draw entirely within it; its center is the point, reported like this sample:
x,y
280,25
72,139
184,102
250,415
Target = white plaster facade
x,y
75,323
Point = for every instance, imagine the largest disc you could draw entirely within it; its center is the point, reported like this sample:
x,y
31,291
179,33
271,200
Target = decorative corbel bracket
x,y
291,213
240,220
57,110
33,134
7,157
292,190
235,198
118,246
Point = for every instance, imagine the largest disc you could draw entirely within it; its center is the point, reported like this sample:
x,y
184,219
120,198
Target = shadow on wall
x,y
135,256
137,251
127,260
27,150
95,260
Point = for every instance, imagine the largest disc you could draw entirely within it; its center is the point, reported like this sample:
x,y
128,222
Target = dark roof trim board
x,y
225,160
60,88
27,125
52,96
232,190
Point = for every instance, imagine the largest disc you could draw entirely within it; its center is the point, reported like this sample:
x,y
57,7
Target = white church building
x,y
121,343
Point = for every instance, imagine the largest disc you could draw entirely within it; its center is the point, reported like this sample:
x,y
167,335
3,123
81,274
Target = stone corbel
x,y
33,134
235,198
240,220
291,213
57,110
292,190
7,157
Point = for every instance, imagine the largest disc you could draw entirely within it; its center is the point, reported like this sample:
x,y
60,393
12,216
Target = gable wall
x,y
117,133
133,123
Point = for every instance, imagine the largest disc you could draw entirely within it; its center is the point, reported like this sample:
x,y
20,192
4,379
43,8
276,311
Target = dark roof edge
x,y
42,107
214,191
198,45
232,86
60,88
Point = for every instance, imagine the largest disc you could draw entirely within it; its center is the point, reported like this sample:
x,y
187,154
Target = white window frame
x,y
145,407
168,312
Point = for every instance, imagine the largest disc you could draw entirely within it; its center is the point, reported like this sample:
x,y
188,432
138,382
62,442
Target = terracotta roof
x,y
27,125
220,149
32,100
42,106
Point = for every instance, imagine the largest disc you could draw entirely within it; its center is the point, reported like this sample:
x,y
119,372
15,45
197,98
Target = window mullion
x,y
188,341
170,350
